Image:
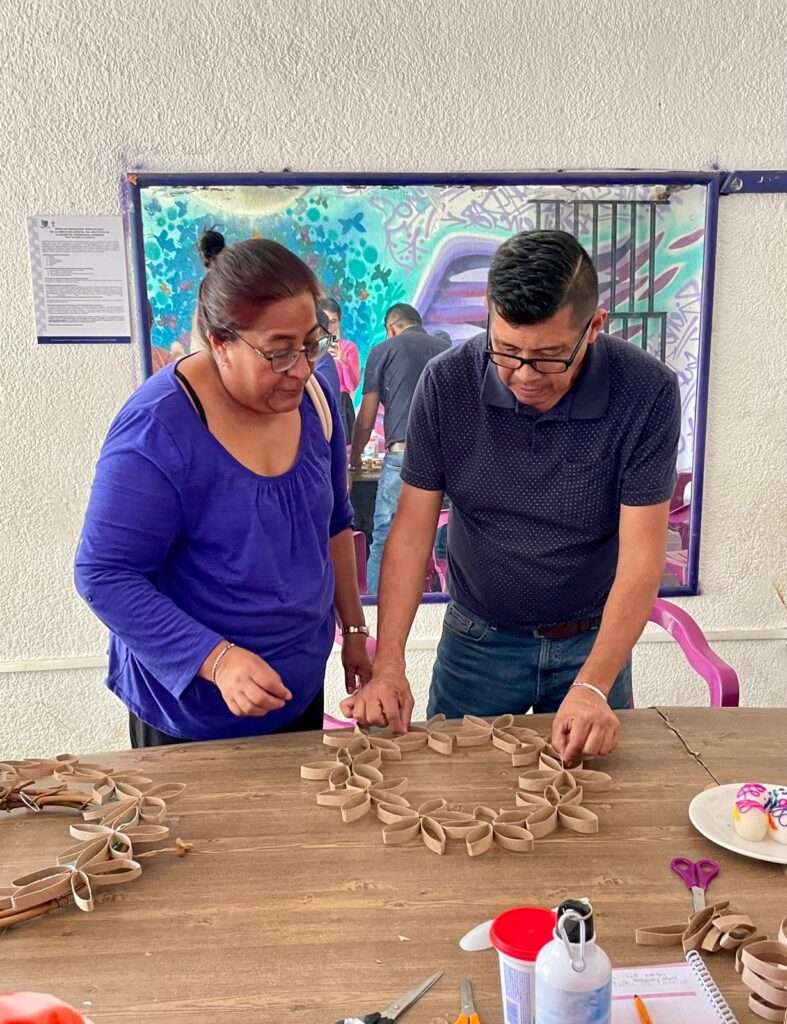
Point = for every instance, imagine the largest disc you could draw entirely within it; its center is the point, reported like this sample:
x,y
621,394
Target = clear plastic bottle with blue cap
x,y
573,974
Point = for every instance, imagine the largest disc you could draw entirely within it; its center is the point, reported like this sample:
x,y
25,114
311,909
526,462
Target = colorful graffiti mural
x,y
430,245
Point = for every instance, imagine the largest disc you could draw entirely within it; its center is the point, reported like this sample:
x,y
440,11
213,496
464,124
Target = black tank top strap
x,y
192,395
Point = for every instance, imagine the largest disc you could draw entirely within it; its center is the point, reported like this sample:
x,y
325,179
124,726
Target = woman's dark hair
x,y
242,279
328,305
536,273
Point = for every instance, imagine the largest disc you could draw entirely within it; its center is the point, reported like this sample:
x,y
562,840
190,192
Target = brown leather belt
x,y
567,629
396,446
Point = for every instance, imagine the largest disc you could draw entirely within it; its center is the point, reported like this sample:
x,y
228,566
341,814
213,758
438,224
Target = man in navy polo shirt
x,y
557,446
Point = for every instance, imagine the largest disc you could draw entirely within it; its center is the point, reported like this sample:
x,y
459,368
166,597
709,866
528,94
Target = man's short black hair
x,y
402,313
329,305
536,273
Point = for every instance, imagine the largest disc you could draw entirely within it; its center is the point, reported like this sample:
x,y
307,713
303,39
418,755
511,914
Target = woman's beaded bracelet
x,y
217,662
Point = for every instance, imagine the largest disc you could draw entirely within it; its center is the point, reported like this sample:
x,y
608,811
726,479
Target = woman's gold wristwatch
x,y
348,630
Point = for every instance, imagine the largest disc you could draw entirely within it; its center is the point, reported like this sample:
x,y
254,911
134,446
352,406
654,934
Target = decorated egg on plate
x,y
754,791
750,820
777,822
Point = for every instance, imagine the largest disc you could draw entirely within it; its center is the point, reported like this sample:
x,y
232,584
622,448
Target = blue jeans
x,y
389,487
482,669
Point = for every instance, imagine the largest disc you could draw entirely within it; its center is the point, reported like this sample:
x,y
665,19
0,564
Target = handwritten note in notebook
x,y
682,993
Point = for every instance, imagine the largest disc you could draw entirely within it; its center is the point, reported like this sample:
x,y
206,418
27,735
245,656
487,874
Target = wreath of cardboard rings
x,y
120,810
549,795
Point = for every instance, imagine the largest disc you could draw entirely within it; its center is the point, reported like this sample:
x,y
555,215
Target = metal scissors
x,y
395,1009
697,876
468,1013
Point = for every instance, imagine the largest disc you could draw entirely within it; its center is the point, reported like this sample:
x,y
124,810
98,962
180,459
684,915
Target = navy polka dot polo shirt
x,y
533,536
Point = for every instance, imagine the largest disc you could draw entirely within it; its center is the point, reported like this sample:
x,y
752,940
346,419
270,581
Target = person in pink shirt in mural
x,y
348,363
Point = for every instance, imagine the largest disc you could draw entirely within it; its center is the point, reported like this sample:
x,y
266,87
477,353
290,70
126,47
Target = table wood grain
x,y
281,913
734,744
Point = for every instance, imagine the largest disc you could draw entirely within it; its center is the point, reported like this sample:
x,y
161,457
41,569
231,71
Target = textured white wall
x,y
88,90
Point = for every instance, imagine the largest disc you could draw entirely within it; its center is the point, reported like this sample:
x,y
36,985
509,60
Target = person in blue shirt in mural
x,y
557,446
217,543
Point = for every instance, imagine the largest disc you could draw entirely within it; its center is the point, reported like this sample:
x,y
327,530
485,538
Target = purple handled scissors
x,y
697,876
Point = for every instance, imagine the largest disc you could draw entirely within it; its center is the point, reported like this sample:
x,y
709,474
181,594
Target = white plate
x,y
710,812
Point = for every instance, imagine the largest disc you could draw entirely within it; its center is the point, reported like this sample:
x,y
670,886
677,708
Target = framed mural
x,y
427,240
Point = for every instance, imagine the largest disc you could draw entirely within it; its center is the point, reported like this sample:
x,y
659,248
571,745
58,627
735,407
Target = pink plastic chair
x,y
329,722
680,509
677,563
679,522
679,494
721,678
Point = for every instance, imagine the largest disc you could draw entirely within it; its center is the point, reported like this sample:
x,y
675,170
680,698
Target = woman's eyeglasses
x,y
281,362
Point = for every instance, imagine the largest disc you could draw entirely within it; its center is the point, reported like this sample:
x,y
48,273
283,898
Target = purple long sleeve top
x,y
183,546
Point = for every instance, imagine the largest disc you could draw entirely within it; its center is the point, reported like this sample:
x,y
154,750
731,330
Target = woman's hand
x,y
357,666
249,685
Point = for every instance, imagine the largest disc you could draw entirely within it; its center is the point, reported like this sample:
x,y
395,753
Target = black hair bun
x,y
210,244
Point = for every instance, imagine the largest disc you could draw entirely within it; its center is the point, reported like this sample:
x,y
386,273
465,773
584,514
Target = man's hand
x,y
356,460
357,666
584,725
385,700
249,685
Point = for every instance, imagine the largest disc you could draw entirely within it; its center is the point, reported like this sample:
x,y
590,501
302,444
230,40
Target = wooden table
x,y
283,914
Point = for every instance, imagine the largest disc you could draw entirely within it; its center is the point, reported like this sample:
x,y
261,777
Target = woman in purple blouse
x,y
217,543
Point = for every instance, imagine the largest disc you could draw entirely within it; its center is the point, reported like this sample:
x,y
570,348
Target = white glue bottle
x,y
573,975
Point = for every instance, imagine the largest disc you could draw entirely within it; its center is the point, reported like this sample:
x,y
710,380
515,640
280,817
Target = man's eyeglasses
x,y
539,365
281,362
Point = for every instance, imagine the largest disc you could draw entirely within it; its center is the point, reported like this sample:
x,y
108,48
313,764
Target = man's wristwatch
x,y
590,686
349,630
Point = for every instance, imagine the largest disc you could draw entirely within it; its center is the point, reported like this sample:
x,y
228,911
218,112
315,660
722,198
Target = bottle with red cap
x,y
518,935
573,974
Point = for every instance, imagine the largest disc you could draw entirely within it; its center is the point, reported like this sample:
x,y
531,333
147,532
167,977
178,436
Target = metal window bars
x,y
633,241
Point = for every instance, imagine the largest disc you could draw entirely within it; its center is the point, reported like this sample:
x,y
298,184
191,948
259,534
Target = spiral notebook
x,y
682,993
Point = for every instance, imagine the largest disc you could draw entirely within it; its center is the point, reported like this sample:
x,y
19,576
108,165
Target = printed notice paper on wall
x,y
80,288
